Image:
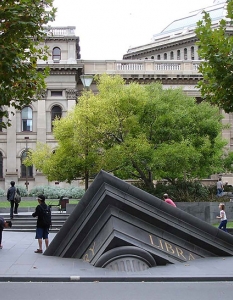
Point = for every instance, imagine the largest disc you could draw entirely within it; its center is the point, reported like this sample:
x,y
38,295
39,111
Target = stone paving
x,y
19,263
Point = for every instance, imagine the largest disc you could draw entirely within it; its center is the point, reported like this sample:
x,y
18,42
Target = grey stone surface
x,y
19,263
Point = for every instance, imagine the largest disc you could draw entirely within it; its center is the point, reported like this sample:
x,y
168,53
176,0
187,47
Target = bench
x,y
61,204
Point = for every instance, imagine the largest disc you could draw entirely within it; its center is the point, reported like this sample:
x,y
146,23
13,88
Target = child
x,y
223,217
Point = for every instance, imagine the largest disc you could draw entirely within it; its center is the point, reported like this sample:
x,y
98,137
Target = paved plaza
x,y
19,263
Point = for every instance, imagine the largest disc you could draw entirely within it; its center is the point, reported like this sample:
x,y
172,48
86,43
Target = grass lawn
x,y
34,203
229,224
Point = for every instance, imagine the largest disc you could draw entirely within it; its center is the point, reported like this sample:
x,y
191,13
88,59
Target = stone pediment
x,y
115,220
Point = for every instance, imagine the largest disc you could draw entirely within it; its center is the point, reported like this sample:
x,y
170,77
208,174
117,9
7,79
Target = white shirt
x,y
219,185
223,215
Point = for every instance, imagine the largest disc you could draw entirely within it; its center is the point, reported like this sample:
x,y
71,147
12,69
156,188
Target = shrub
x,y
2,192
23,191
181,191
55,192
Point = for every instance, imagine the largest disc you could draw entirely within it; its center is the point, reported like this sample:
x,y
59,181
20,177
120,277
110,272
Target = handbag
x,y
17,197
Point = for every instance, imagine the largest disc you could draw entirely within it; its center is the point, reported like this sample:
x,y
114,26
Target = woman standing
x,y
223,217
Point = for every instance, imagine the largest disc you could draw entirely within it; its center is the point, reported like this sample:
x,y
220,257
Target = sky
x,y
108,28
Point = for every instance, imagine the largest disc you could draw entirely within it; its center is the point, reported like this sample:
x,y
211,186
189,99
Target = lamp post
x,y
86,81
26,138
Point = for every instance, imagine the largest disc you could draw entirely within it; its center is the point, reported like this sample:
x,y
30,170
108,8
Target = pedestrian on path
x,y
11,198
223,217
168,200
3,224
219,187
43,214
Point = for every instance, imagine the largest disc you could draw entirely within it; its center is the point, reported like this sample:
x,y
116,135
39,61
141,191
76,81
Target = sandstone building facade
x,y
171,59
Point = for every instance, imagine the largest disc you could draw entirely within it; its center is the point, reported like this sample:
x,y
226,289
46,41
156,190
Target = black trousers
x,y
14,208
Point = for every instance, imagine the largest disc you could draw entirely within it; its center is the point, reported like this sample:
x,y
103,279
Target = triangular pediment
x,y
116,217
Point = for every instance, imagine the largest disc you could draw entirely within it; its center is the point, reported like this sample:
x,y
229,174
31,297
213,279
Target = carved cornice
x,y
71,94
43,94
156,48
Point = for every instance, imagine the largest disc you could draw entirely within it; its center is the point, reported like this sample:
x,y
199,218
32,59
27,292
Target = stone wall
x,y
206,211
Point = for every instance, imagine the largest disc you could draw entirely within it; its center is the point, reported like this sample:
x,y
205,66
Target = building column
x,y
41,121
71,96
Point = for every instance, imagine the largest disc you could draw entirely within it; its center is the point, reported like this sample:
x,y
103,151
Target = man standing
x,y
3,224
168,200
11,197
219,187
43,214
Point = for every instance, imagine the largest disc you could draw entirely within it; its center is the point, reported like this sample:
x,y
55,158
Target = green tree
x,y
215,48
136,131
21,31
76,155
155,133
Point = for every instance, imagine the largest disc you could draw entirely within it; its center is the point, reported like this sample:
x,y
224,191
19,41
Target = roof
x,y
187,24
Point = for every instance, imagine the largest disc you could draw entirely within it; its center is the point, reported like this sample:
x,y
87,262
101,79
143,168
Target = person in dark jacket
x,y
42,229
3,224
10,197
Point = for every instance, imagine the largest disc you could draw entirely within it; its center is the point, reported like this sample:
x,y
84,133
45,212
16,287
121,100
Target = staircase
x,y
26,223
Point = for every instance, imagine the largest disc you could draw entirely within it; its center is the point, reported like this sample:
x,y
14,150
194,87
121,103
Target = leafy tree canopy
x,y
21,31
136,131
215,48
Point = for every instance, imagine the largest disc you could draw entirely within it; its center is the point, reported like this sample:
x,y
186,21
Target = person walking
x,y
168,200
3,224
223,217
43,214
219,187
11,198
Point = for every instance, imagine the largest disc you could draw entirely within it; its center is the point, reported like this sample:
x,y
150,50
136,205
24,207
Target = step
x,y
26,223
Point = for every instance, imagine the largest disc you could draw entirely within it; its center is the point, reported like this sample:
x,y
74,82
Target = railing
x,y
141,67
60,31
167,67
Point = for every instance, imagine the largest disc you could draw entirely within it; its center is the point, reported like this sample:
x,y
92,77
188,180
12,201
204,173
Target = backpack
x,y
17,197
46,216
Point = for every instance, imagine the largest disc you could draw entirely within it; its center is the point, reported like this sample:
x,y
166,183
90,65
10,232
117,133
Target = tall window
x,y
178,54
56,112
56,54
171,55
165,56
26,116
192,53
185,53
1,165
158,57
25,171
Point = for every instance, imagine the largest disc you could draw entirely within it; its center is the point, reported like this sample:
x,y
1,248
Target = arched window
x,y
56,113
56,54
26,116
171,55
1,165
185,54
178,54
192,53
165,56
26,172
158,57
152,57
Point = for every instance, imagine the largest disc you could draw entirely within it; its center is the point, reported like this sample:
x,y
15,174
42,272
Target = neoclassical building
x,y
171,59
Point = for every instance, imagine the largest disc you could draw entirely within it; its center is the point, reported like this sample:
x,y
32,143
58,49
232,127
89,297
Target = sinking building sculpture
x,y
118,226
